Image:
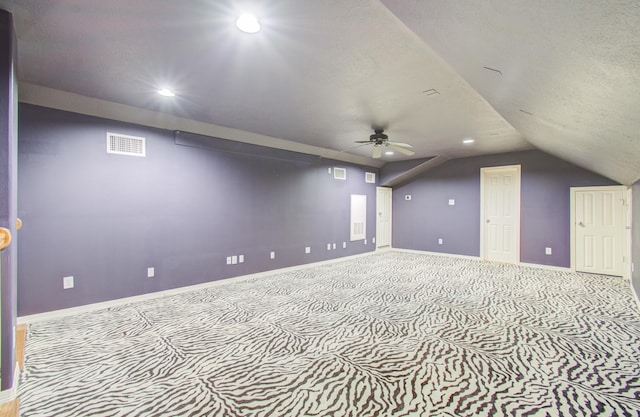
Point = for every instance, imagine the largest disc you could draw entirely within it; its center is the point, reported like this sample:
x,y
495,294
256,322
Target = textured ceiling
x,y
322,73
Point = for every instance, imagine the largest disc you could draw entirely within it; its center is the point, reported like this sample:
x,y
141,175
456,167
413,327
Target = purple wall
x,y
635,235
183,209
545,183
8,195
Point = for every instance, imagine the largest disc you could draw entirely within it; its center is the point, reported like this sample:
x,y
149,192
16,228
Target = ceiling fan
x,y
379,140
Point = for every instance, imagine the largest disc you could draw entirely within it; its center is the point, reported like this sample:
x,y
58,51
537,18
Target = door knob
x,y
581,224
5,237
488,221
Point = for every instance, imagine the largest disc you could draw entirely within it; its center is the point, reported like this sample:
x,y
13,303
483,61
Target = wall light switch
x,y
440,241
151,272
307,249
373,240
333,246
241,259
547,251
328,246
344,245
272,255
365,241
329,170
234,260
67,282
228,260
452,202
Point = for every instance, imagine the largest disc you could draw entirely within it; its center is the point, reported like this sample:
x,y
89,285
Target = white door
x,y
383,218
500,228
598,219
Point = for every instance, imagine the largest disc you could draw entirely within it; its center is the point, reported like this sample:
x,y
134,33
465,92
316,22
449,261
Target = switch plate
x,y
365,241
333,246
241,259
344,245
328,246
228,260
439,241
307,249
151,272
234,260
373,240
547,251
272,255
67,282
452,202
329,170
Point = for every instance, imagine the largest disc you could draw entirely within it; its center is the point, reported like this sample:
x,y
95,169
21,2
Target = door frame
x,y
483,173
626,224
390,217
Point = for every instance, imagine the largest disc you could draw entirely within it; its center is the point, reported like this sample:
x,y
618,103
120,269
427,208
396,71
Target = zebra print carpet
x,y
392,334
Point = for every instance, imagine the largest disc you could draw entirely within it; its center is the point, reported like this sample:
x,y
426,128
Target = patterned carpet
x,y
393,334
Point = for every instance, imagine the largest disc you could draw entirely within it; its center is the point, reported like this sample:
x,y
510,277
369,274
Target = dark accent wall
x,y
8,196
183,209
545,183
635,236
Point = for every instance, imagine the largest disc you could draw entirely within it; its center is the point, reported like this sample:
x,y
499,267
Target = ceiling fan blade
x,y
364,141
377,151
354,147
400,149
404,145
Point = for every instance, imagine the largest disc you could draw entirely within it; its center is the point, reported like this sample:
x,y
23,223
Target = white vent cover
x,y
339,173
125,144
370,177
358,217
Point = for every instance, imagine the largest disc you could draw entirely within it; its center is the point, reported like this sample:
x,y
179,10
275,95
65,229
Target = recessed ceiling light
x,y
166,92
388,153
248,23
468,141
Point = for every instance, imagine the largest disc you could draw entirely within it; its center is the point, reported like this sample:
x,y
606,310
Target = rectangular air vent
x,y
340,173
370,177
125,144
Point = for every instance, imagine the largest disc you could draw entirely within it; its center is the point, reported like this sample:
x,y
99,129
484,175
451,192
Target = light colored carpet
x,y
392,334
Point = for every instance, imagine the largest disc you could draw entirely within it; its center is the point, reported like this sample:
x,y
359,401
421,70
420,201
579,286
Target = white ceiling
x,y
564,77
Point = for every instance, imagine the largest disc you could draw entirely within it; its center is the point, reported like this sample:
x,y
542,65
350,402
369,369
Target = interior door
x,y
500,228
598,224
383,218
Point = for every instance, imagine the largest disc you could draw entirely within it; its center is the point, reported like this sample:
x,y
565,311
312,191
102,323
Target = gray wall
x,y
8,194
635,236
183,209
545,183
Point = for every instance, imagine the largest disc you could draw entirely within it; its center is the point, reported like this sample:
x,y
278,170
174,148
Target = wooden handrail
x,y
5,238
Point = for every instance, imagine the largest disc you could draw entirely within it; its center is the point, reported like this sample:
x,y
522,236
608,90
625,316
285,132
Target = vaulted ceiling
x,y
561,76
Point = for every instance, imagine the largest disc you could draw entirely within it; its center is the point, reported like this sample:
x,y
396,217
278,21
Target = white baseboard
x,y
10,394
549,267
446,255
477,258
56,314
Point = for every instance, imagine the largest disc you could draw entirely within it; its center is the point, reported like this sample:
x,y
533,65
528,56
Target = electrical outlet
x,y
67,282
365,241
151,272
344,245
307,249
328,246
440,241
272,255
373,240
547,251
241,259
452,202
333,246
